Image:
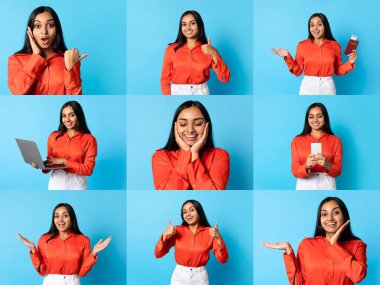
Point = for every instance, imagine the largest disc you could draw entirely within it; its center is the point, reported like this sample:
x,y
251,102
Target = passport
x,y
351,45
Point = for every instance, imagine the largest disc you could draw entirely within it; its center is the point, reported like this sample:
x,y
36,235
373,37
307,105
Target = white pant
x,y
58,279
313,85
61,180
183,275
189,89
316,181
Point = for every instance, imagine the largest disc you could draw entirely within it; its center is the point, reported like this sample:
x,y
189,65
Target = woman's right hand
x,y
35,165
28,243
278,245
35,48
281,52
311,161
170,231
181,143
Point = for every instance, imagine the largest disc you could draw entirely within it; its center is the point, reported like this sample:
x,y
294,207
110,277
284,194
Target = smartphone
x,y
316,148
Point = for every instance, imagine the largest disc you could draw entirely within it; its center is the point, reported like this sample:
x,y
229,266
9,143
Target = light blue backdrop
x,y
153,24
149,123
34,118
148,215
284,24
278,119
290,216
29,213
94,27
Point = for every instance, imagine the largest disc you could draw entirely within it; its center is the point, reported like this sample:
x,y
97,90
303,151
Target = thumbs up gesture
x,y
71,57
170,231
214,232
208,49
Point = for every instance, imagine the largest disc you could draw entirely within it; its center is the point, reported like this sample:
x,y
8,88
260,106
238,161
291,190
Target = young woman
x,y
189,159
319,58
44,65
188,60
316,170
333,256
64,254
71,146
192,243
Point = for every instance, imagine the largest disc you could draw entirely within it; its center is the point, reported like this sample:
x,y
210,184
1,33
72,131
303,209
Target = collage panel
x,y
67,256
225,33
152,164
94,158
306,224
150,259
59,49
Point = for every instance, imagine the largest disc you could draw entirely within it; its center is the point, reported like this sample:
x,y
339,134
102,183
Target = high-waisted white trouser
x,y
183,275
316,181
313,85
61,180
189,89
58,279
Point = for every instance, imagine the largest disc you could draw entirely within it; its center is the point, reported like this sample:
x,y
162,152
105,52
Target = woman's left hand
x,y
214,232
55,161
338,233
352,57
100,246
197,147
72,57
208,49
322,161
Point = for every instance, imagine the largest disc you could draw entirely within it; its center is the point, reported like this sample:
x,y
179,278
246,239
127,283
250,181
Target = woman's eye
x,y
51,26
183,125
37,26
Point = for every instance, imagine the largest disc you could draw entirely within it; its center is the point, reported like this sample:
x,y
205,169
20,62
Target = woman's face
x,y
331,217
190,214
317,29
44,30
69,118
189,27
316,119
62,220
191,125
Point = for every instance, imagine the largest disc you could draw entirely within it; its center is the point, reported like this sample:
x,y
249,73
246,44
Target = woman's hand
x,y
35,48
197,147
170,231
55,161
100,246
352,57
181,143
72,57
338,233
214,232
322,161
279,245
208,49
281,52
35,165
28,243
311,161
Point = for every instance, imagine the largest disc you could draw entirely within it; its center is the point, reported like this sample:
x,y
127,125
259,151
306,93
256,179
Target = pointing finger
x,y
83,56
208,41
216,225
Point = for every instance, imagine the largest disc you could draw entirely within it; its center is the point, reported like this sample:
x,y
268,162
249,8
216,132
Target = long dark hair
x,y
201,213
326,128
58,44
347,233
81,125
328,34
74,228
181,39
172,144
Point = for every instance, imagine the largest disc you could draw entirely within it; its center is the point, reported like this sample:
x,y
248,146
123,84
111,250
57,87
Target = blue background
x,y
284,24
34,118
290,216
152,24
148,215
99,214
94,27
278,119
149,127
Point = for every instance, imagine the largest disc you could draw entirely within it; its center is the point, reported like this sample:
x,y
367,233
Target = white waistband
x,y
318,77
62,277
190,269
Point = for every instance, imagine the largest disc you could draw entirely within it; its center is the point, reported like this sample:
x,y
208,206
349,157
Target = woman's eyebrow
x,y
46,21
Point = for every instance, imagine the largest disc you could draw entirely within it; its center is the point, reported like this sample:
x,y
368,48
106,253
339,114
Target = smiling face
x,y
317,29
189,27
190,214
69,118
191,125
331,217
316,119
62,220
44,30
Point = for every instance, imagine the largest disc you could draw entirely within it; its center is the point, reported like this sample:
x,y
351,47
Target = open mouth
x,y
45,40
192,137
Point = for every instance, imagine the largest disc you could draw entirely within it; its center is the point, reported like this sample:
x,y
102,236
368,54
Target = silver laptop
x,y
31,154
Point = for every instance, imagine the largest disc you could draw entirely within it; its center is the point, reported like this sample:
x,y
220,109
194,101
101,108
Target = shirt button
x,y
191,86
